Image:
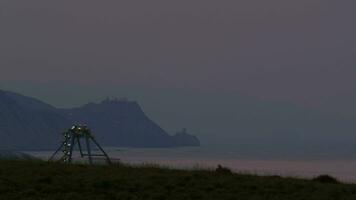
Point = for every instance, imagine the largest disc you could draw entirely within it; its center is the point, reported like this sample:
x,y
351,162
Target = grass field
x,y
41,180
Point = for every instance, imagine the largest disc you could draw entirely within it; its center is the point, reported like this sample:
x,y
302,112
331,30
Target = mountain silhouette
x,y
123,123
28,124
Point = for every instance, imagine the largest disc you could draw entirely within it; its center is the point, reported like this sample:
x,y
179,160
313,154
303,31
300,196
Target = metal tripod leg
x,y
54,154
88,149
80,147
102,150
71,150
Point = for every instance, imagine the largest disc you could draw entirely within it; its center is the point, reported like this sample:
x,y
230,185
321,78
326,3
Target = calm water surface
x,y
257,163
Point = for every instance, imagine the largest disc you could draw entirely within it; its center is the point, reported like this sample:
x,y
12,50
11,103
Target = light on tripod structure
x,y
73,137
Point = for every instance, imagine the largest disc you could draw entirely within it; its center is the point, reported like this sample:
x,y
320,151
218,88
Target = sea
x,y
209,157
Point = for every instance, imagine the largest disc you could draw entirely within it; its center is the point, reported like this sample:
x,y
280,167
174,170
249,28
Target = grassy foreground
x,y
41,180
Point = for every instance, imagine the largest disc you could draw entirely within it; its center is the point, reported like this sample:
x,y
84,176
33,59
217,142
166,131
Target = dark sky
x,y
297,51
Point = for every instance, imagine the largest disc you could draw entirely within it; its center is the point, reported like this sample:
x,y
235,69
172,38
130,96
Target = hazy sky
x,y
302,51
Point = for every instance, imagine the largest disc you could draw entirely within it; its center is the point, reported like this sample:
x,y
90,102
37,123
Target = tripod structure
x,y
72,137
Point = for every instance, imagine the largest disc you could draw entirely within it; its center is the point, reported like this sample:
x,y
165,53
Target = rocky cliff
x,y
123,123
28,123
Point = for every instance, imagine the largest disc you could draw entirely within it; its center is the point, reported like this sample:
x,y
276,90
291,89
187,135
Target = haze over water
x,y
256,163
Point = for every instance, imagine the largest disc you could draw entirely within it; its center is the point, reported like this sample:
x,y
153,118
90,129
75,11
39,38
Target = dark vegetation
x,y
325,179
42,180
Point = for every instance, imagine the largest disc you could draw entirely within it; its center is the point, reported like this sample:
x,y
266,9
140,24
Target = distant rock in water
x,y
29,124
184,138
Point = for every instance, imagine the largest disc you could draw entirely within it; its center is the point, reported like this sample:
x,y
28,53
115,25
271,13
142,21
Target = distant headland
x,y
27,124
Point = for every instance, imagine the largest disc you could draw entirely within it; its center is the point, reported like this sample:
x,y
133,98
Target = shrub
x,y
325,179
223,170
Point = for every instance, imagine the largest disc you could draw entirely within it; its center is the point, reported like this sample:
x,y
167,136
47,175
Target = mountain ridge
x,y
28,123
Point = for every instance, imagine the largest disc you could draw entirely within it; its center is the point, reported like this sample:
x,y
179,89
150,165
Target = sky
x,y
301,52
